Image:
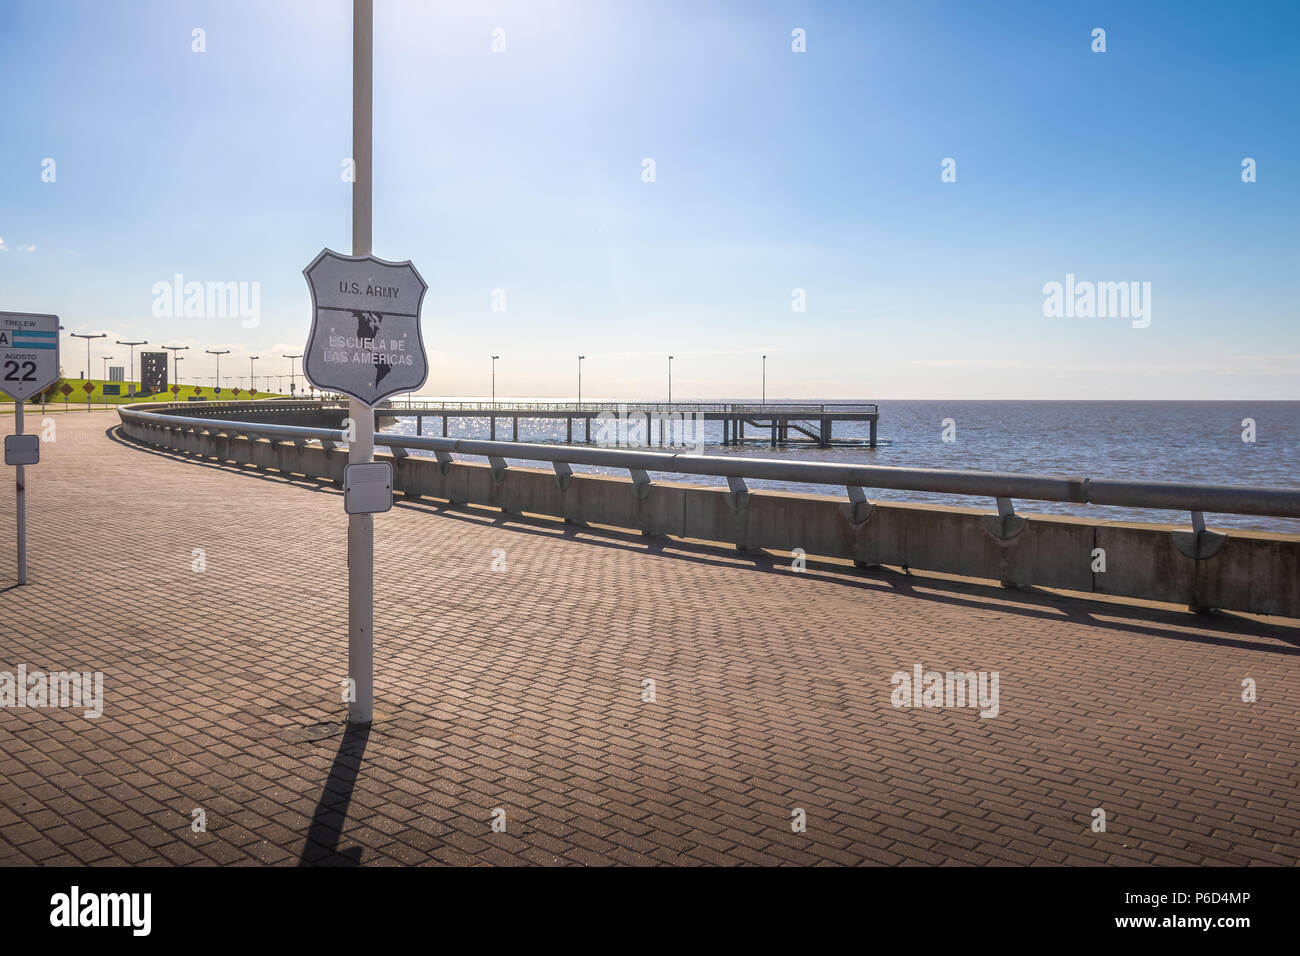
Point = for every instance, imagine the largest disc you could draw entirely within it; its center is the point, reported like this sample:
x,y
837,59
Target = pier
x,y
523,685
773,423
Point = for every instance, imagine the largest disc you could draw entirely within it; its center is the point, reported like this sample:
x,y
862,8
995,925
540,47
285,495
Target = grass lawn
x,y
55,399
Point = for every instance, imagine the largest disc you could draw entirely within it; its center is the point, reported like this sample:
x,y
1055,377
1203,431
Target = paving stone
x,y
520,690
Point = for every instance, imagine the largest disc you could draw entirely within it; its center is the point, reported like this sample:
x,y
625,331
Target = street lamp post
x,y
175,358
218,353
251,360
87,336
107,359
580,358
292,381
670,381
764,379
494,380
130,372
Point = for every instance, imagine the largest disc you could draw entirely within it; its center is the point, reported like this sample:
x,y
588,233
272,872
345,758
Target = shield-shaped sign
x,y
365,336
29,353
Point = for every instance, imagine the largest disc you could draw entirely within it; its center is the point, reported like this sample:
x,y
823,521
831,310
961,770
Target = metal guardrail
x,y
1195,498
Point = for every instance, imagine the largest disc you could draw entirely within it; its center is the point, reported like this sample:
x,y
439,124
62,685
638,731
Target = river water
x,y
1162,441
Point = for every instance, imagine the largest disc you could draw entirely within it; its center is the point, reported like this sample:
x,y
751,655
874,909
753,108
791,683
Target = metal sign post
x,y
361,527
20,472
29,362
365,342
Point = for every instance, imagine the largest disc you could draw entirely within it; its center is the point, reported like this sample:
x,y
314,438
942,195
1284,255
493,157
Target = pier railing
x,y
655,408
1256,571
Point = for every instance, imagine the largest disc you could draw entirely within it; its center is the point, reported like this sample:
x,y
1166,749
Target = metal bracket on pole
x,y
738,496
398,452
1198,544
328,445
1006,524
444,461
563,475
859,509
499,467
640,482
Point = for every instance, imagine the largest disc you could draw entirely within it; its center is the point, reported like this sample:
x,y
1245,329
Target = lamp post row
x,y
293,371
582,358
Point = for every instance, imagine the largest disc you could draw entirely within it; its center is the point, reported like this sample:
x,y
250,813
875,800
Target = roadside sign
x,y
365,336
66,389
368,488
22,449
29,353
29,361
176,389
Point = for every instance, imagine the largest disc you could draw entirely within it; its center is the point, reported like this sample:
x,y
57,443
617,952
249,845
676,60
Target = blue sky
x,y
774,170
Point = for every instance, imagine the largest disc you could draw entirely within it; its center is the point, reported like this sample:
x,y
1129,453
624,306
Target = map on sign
x,y
29,353
365,336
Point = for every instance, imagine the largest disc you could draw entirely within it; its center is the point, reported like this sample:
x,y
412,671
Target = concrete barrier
x,y
1251,571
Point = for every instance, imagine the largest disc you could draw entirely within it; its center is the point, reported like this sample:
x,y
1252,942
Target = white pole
x,y
361,528
22,499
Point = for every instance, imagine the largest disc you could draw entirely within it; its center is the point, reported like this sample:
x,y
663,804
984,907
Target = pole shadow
x,y
321,847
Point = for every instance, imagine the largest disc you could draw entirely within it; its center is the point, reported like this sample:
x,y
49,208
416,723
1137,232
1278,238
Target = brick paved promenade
x,y
521,689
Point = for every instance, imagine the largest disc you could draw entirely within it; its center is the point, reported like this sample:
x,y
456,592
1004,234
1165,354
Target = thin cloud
x,y
1083,367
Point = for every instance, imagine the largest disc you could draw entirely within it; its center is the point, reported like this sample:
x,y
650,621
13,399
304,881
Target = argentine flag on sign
x,y
29,339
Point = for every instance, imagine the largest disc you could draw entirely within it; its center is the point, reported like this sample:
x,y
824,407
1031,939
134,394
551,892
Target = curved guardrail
x,y
1195,498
